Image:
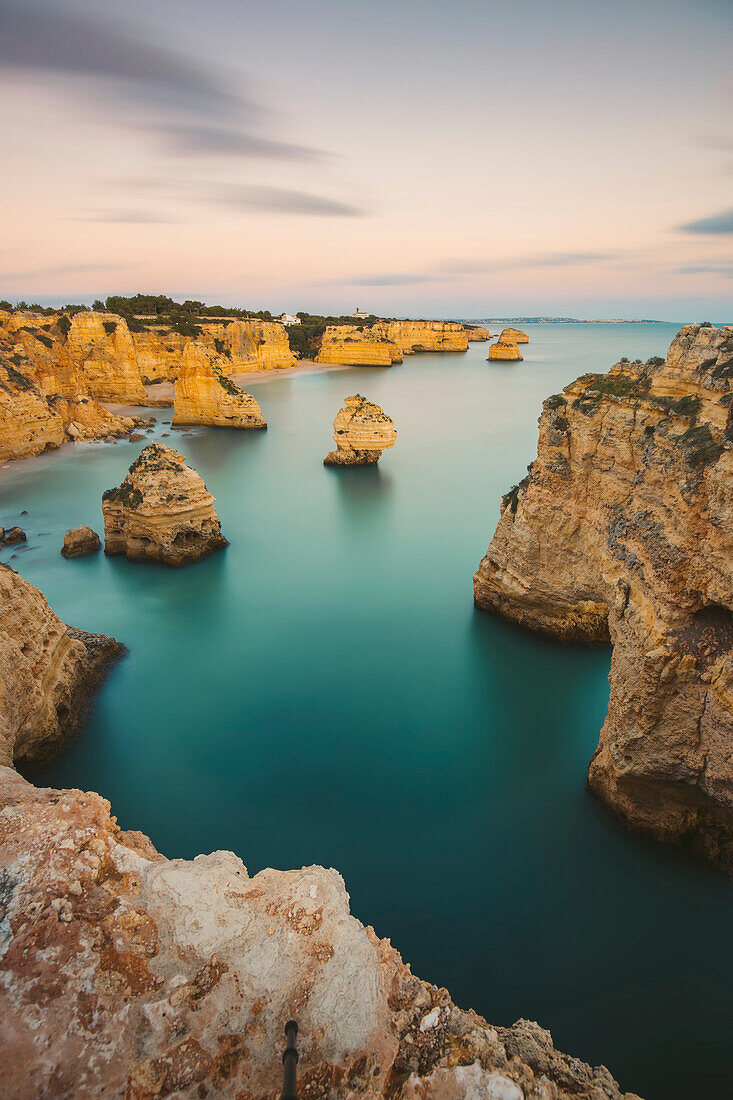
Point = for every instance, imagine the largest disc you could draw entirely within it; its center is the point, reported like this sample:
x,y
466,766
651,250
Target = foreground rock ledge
x,y
161,512
623,529
127,974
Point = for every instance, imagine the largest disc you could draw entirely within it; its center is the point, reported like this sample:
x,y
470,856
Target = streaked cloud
x,y
726,270
716,224
281,200
126,217
545,259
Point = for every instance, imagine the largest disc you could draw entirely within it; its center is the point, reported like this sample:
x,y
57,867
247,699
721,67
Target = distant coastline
x,y
563,321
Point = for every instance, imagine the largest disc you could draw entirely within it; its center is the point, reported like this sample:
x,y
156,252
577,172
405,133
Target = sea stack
x,y
161,512
80,541
514,336
505,352
204,394
623,531
361,432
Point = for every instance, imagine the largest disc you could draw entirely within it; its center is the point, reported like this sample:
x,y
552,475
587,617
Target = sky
x,y
468,158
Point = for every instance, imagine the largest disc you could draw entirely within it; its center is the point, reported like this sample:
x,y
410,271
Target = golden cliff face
x,y
624,529
505,352
43,400
477,333
159,355
350,346
514,336
361,432
205,395
416,336
47,671
161,512
102,347
250,345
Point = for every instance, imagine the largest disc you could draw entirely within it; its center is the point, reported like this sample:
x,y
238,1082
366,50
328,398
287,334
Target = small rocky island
x,y
205,395
504,351
361,432
513,336
623,531
161,512
80,541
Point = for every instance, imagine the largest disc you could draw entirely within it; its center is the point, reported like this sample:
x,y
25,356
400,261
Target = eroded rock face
x,y
351,346
505,352
127,974
361,431
47,672
103,350
415,336
624,529
514,336
161,512
478,333
205,395
43,399
80,541
250,345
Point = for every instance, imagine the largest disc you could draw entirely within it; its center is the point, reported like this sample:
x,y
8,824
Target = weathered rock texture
x,y
47,672
351,346
416,336
505,352
127,974
624,529
161,512
102,347
80,541
361,432
477,333
514,336
44,400
250,345
205,395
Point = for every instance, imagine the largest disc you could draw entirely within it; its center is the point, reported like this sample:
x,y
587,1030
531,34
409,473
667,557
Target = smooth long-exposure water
x,y
323,691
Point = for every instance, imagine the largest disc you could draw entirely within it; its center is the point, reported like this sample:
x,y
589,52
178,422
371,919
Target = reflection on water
x,y
323,691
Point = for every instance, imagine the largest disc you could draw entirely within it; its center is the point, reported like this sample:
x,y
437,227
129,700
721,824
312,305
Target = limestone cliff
x,y
361,432
159,355
205,395
478,333
416,336
351,346
102,347
624,529
43,399
47,672
250,345
505,352
514,336
161,512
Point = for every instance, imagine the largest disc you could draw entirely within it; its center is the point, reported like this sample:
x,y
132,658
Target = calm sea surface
x,y
323,691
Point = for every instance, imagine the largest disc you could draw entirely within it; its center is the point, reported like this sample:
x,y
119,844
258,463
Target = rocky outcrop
x,y
205,395
43,399
159,354
12,536
102,347
351,346
47,673
514,336
250,345
623,529
477,333
415,336
80,541
361,432
504,352
128,974
161,512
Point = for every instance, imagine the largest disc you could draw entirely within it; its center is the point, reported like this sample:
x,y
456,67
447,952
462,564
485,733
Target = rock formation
x,y
205,395
505,352
43,398
123,973
161,512
514,336
250,345
477,333
11,536
351,346
80,541
159,355
47,672
102,347
416,336
624,529
361,432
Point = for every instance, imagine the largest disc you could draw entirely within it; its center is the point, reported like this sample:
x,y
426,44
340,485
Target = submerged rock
x,y
205,395
80,541
505,352
47,673
161,512
514,336
361,432
10,536
623,529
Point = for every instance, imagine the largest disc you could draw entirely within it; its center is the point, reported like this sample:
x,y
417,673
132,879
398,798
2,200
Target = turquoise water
x,y
323,691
